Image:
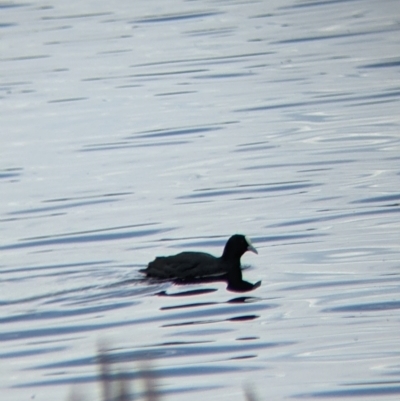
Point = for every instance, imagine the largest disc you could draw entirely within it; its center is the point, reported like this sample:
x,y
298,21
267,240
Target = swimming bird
x,y
201,266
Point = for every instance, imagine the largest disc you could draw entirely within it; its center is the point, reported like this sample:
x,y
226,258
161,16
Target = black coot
x,y
192,266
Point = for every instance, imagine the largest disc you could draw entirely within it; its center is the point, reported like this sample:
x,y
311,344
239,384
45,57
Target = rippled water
x,y
130,130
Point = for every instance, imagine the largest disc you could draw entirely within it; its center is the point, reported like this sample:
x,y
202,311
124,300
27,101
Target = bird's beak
x,y
250,246
252,249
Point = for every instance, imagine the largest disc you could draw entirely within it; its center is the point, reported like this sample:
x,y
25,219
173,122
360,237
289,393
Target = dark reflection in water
x,y
368,307
198,316
242,300
60,314
176,17
33,352
81,238
213,193
193,305
58,267
175,132
370,390
174,372
390,62
239,300
339,216
171,350
10,172
212,321
390,95
338,283
243,318
385,198
198,291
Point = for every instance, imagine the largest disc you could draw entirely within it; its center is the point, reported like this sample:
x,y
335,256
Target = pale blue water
x,y
131,130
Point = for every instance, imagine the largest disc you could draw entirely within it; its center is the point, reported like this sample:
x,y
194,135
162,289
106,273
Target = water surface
x,y
135,131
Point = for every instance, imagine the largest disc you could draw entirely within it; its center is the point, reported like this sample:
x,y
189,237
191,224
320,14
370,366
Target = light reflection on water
x,y
129,133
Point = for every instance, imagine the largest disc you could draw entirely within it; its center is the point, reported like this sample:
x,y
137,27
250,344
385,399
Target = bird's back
x,y
185,265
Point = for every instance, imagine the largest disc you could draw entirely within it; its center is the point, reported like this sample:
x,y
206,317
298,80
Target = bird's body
x,y
187,266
